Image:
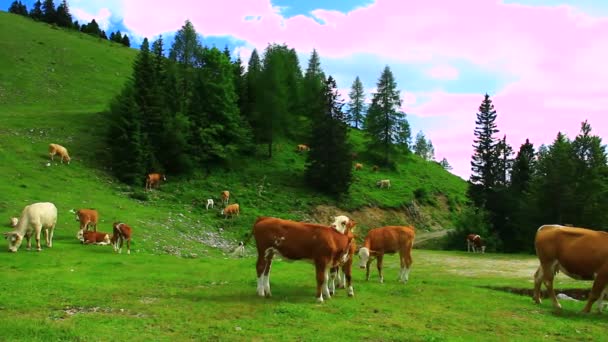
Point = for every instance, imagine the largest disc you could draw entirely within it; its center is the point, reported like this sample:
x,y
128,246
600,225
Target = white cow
x,y
384,183
33,218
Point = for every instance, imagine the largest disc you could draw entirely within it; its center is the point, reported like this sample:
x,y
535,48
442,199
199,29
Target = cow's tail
x,y
240,250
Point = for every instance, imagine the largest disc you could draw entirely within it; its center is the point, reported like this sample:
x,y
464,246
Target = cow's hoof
x,y
320,300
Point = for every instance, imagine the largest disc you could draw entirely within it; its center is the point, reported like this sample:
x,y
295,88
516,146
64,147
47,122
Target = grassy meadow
x,y
180,283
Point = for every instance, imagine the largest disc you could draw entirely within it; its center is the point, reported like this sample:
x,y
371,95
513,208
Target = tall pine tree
x,y
36,12
49,13
356,105
64,18
329,165
385,123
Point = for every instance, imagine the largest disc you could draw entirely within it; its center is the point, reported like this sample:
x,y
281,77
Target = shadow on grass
x,y
578,294
292,295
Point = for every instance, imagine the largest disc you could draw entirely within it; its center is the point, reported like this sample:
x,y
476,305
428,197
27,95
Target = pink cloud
x,y
443,72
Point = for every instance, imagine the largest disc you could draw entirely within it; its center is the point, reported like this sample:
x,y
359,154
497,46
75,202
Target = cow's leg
x,y
538,280
333,273
38,230
348,271
406,265
259,267
600,301
321,271
379,265
28,236
129,246
548,276
367,266
267,277
51,230
325,288
597,291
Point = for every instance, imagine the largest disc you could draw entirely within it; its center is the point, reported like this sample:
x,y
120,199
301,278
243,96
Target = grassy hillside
x,y
45,68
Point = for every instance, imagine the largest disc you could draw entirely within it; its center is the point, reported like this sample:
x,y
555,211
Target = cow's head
x,y
14,241
364,254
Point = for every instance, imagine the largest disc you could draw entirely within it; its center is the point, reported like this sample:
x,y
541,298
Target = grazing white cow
x,y
210,203
578,253
384,183
34,218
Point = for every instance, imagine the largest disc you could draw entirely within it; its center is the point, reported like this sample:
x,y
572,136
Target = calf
x,y
225,197
292,240
475,243
579,253
209,203
154,179
303,148
389,240
90,237
61,151
358,166
88,218
384,183
121,232
33,219
230,210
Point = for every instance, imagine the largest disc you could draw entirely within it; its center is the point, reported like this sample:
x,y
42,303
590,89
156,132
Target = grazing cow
x,y
120,233
34,218
341,223
475,243
231,210
209,203
61,151
97,238
384,183
153,180
578,253
292,240
389,240
88,218
375,168
225,196
303,148
14,221
358,166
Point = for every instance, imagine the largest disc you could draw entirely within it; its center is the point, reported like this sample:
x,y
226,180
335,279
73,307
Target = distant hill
x,y
55,85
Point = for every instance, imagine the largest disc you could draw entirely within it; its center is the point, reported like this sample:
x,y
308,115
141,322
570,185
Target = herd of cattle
x,y
577,252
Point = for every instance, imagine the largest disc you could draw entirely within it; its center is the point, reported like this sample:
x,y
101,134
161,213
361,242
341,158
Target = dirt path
x,y
425,236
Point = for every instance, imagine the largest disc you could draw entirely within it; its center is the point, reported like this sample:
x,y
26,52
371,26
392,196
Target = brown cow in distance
x,y
578,253
475,243
389,239
358,166
324,246
225,197
303,148
88,218
154,179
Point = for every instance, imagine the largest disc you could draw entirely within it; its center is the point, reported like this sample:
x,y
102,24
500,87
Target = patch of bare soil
x,y
479,265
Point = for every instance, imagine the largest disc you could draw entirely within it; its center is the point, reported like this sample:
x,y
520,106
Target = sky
x,y
543,62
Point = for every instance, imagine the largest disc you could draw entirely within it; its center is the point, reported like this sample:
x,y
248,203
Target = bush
x,y
423,196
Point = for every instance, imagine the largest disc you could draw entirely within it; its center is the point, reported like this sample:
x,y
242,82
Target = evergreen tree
x,y
36,12
329,166
92,28
356,106
523,168
444,163
102,35
227,53
125,41
240,85
64,18
17,7
484,160
125,137
312,88
504,163
423,147
185,52
253,99
385,124
49,13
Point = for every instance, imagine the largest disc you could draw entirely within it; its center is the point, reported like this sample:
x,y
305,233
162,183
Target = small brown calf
x,y
120,233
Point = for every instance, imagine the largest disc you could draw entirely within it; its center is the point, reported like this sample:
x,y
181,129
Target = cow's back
x,y
390,239
44,213
296,240
580,251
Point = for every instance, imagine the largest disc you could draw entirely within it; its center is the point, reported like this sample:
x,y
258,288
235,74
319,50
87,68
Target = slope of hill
x,y
55,85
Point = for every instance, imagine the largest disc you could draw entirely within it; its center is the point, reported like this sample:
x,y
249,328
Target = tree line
x,y
513,194
195,107
46,11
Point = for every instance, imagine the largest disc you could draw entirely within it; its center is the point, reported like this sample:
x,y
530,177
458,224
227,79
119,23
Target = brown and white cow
x,y
154,179
33,219
61,151
475,244
344,278
384,183
121,232
225,197
358,166
93,237
577,252
231,210
88,218
388,240
322,245
303,148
